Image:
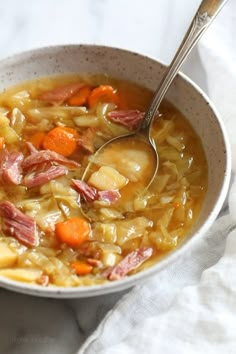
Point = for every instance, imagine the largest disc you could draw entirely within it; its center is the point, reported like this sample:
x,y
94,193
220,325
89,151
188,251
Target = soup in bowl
x,y
63,236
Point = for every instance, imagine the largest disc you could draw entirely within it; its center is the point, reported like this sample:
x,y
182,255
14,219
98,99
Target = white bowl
x,y
184,94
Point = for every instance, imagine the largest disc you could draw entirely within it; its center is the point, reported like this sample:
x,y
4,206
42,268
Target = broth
x,y
50,129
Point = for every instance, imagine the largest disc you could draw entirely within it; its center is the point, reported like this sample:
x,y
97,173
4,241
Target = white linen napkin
x,y
189,307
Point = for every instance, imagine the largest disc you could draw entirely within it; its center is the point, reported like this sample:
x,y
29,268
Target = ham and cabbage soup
x,y
50,129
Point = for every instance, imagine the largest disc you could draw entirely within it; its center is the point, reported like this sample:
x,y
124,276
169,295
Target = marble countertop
x,y
154,27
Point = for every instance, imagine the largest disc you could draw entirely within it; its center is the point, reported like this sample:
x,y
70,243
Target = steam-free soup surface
x,y
50,129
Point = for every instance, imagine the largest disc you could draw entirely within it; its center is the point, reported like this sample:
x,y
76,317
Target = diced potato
x,y
7,256
21,274
107,178
110,259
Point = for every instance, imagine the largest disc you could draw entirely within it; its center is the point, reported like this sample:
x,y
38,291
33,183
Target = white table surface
x,y
153,27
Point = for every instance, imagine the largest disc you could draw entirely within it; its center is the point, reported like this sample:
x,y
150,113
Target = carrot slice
x,y
81,97
81,268
59,95
62,140
37,139
73,231
2,142
103,93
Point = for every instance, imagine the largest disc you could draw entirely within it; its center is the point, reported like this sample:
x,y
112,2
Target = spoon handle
x,y
202,19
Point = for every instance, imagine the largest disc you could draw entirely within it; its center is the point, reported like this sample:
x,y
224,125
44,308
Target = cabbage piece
x,y
166,218
168,153
20,99
55,112
104,232
165,127
17,120
7,132
163,243
175,142
88,120
45,212
159,183
130,229
171,169
61,192
39,260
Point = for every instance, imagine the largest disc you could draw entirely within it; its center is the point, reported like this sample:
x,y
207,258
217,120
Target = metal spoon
x,y
201,21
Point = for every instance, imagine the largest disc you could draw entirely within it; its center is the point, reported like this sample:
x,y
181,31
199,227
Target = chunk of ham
x,y
132,261
42,174
86,140
31,148
88,193
17,224
129,118
12,171
42,156
110,196
91,194
10,166
61,94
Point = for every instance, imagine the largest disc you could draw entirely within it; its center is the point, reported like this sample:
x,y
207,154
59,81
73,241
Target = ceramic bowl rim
x,y
138,278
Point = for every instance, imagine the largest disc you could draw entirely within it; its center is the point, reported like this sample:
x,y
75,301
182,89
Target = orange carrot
x,y
73,231
37,139
62,140
81,268
2,142
103,93
81,97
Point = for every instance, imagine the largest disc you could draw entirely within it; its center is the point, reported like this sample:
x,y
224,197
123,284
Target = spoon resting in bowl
x,y
141,140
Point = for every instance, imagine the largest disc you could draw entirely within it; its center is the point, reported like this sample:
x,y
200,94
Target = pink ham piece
x,y
110,196
42,156
87,193
43,174
17,224
32,149
61,94
12,171
130,118
91,194
132,261
86,140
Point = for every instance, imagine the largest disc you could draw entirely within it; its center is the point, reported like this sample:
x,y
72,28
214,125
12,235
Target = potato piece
x,y
7,256
107,178
21,274
110,259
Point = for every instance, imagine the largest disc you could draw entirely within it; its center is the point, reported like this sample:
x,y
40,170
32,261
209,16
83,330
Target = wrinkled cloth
x,y
189,307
